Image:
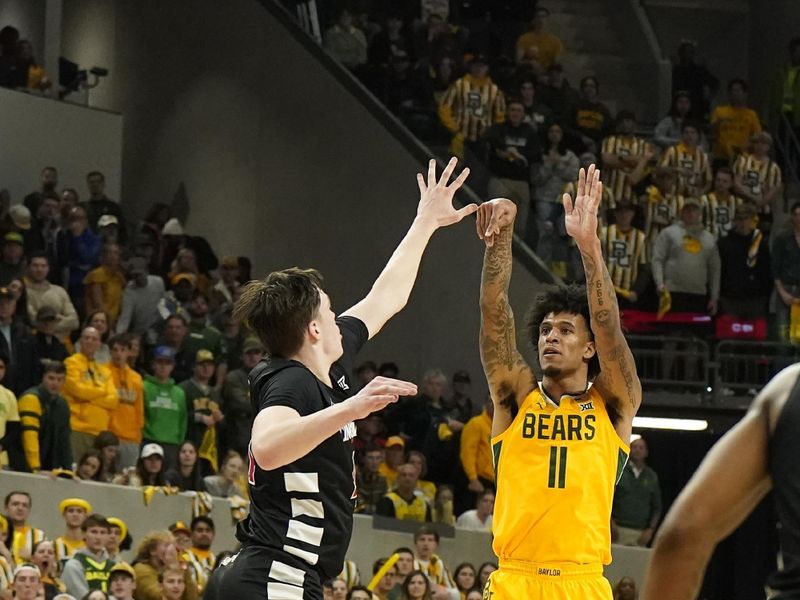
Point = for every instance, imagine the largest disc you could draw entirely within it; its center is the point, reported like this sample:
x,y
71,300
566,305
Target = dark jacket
x,y
21,370
737,279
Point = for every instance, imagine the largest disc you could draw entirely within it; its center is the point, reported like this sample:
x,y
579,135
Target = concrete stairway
x,y
592,47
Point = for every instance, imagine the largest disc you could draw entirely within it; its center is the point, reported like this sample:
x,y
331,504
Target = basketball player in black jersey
x,y
301,470
761,453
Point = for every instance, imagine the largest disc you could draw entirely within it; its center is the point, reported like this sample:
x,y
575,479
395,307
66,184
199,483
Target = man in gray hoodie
x,y
90,567
686,262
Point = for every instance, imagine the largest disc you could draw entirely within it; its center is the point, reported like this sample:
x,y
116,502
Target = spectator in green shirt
x,y
204,336
637,500
164,407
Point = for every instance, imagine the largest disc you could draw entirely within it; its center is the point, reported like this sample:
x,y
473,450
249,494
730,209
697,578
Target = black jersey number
x,y
557,477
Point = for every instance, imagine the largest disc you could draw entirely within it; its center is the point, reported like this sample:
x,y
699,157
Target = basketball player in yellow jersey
x,y
560,443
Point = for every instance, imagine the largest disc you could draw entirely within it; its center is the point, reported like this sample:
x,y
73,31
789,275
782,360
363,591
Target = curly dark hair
x,y
556,299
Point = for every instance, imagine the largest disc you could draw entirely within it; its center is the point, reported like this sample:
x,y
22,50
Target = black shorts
x,y
260,573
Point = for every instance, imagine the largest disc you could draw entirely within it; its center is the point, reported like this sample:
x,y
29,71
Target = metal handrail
x,y
394,126
672,362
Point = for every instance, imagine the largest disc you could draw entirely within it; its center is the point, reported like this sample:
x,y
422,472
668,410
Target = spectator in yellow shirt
x,y
9,417
23,536
395,456
105,284
127,420
733,124
90,392
476,451
548,45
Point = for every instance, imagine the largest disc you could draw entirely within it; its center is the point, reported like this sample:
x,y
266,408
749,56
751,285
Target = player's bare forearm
x,y
616,360
498,346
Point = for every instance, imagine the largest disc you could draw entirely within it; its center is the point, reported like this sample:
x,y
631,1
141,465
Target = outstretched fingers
x,y
459,181
567,200
448,171
421,184
581,190
463,212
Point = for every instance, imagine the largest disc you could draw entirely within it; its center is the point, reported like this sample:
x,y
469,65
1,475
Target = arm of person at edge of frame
x,y
617,382
510,378
392,288
731,481
281,436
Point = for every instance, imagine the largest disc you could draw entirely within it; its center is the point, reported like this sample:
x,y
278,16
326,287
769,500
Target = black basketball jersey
x,y
784,467
305,508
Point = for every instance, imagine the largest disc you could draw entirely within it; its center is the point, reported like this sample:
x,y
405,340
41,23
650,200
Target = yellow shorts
x,y
518,579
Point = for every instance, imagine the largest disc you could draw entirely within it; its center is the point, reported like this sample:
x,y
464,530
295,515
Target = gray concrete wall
x,y
280,163
367,544
72,138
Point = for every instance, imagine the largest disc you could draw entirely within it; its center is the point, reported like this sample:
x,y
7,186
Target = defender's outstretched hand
x,y
493,216
436,197
581,215
379,393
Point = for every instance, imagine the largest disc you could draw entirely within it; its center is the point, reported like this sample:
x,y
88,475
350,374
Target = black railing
x,y
393,125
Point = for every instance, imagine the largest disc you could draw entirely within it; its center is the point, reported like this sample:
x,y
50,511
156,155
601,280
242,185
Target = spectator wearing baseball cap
x,y
460,406
236,404
127,420
108,229
183,537
746,280
149,470
74,511
165,411
48,346
104,284
395,456
203,406
204,336
122,580
12,265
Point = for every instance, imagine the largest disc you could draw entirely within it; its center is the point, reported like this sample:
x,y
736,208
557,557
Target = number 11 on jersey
x,y
558,467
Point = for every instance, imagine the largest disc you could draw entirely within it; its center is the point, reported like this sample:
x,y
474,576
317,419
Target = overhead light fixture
x,y
667,423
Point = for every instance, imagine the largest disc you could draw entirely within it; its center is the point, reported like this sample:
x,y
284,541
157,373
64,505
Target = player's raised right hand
x,y
493,216
379,393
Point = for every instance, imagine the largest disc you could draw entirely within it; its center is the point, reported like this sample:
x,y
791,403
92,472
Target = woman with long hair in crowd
x,y
465,578
484,571
189,474
107,444
625,589
89,466
149,469
44,557
155,556
416,586
228,481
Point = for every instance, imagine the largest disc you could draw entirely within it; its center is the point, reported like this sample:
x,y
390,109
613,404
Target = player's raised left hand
x,y
436,197
580,215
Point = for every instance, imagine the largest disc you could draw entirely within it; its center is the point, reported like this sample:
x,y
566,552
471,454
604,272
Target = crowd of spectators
x,y
688,210
19,68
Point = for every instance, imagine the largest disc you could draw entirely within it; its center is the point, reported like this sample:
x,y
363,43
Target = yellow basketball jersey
x,y
556,471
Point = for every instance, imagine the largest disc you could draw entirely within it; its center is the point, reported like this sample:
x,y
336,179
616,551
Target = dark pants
x,y
260,573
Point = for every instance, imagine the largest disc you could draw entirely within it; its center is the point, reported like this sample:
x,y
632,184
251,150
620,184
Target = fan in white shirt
x,y
480,518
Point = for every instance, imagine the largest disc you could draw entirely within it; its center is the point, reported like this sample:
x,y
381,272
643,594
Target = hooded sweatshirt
x,y
86,571
90,393
164,411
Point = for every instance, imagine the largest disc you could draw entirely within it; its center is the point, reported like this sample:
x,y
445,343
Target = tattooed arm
x,y
618,382
508,375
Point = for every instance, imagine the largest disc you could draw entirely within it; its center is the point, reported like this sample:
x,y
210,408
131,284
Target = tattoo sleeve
x,y
498,343
618,369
